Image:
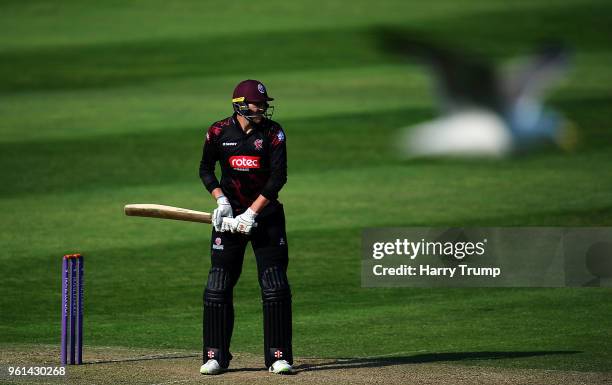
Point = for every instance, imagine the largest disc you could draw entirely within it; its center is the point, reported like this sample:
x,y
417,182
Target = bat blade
x,y
166,212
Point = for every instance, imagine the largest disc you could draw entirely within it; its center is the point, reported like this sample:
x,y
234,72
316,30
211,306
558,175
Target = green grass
x,y
105,104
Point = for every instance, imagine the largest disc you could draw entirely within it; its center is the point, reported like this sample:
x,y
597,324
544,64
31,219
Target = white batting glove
x,y
223,210
228,224
244,222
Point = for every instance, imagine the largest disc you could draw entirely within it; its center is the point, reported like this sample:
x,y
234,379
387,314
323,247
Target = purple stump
x,y
73,305
80,268
64,342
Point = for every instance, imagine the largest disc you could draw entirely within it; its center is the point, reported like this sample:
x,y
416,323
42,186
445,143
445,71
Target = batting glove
x,y
223,210
244,222
228,224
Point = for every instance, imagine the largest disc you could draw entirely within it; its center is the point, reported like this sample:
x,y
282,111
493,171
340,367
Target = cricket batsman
x,y
251,152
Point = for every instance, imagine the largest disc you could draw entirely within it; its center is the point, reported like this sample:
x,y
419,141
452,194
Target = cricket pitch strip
x,y
112,365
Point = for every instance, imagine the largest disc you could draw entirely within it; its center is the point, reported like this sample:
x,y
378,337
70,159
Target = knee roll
x,y
218,288
275,285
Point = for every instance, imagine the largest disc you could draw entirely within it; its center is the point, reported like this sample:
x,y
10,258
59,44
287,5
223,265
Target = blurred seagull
x,y
485,111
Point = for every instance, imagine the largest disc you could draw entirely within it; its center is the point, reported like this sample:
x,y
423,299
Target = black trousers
x,y
269,242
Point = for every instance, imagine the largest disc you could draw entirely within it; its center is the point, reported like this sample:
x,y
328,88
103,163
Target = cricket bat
x,y
167,212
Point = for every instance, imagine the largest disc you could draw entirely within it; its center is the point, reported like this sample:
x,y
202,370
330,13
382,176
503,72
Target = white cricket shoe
x,y
211,367
280,367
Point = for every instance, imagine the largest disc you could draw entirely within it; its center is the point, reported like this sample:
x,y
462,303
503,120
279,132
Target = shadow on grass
x,y
145,358
502,32
136,62
351,363
170,156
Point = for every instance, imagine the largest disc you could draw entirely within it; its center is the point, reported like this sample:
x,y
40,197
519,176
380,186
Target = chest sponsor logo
x,y
244,163
226,144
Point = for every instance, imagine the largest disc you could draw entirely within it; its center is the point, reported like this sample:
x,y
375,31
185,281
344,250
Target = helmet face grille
x,y
242,108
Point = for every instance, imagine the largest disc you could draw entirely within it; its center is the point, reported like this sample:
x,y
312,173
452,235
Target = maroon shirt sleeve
x,y
278,164
210,156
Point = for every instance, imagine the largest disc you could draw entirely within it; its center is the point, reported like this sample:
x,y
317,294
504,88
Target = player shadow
x,y
238,370
259,369
375,362
147,358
